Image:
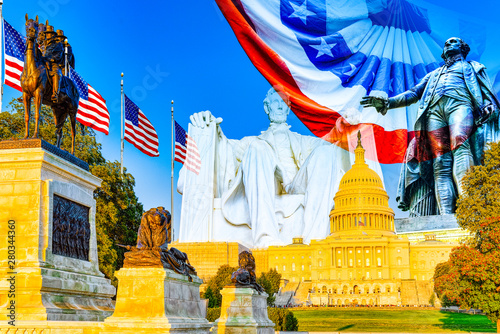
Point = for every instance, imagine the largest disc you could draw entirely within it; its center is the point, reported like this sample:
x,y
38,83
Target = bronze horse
x,y
36,84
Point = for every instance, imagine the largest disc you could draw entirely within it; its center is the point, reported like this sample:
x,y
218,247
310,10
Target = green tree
x,y
264,283
274,277
218,282
291,322
213,314
210,296
270,281
118,211
283,319
473,269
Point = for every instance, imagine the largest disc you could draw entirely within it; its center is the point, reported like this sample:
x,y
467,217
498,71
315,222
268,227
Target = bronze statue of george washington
x,y
457,117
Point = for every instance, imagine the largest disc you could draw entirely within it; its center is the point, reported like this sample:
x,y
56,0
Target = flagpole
x,y
2,46
171,175
122,125
66,64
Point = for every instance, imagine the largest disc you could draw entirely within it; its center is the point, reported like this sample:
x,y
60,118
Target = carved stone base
x,y
426,223
48,286
243,311
157,300
443,227
52,327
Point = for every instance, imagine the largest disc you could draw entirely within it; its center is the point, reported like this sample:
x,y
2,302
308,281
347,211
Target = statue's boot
x,y
462,162
443,182
55,91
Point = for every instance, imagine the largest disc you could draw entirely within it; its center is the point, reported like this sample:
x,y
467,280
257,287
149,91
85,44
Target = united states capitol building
x,y
362,262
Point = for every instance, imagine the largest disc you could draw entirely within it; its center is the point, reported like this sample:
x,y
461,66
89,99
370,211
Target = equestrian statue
x,y
45,78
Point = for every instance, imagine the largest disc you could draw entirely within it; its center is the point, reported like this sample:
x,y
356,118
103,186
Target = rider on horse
x,y
54,59
70,58
41,38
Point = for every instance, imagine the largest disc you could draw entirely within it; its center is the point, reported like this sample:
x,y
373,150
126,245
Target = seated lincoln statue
x,y
261,190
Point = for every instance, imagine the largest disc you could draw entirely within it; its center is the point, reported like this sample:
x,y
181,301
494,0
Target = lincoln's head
x,y
454,46
276,105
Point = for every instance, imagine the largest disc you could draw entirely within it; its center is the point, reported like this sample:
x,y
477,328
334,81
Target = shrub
x,y
217,283
432,300
270,281
291,322
283,319
213,314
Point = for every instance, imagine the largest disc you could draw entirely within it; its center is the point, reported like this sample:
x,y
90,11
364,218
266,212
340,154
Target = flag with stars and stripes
x,y
327,54
186,150
139,131
14,47
92,110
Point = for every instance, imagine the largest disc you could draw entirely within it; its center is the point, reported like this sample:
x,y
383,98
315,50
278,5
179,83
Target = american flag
x,y
139,131
14,56
92,111
186,151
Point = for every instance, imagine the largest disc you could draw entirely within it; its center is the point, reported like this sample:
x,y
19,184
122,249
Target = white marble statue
x,y
277,185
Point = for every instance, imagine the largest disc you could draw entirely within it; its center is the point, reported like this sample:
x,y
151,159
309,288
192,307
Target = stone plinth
x,y
426,223
444,227
157,300
207,257
53,327
243,311
48,286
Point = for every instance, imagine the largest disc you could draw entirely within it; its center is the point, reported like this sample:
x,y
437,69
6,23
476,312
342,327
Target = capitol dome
x,y
361,204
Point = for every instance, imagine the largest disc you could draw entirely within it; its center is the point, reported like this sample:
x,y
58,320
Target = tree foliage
x,y
213,314
270,281
471,277
210,296
118,211
217,283
284,319
480,204
291,322
445,283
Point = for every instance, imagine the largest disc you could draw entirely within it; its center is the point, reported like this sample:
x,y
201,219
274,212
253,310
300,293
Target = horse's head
x,y
31,28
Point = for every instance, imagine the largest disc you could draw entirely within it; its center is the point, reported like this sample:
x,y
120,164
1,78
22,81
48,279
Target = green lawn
x,y
389,320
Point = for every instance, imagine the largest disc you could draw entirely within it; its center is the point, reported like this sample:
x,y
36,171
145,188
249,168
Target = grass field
x,y
389,320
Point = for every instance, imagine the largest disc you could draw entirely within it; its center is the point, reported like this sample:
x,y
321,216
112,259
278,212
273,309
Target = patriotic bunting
x,y
326,55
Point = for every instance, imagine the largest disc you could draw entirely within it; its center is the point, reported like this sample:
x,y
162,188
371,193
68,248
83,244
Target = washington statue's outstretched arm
x,y
382,104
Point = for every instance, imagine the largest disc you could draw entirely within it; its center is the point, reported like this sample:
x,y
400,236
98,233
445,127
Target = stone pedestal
x,y
157,300
47,285
443,227
243,311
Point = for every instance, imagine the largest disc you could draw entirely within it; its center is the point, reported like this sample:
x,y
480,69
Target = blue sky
x,y
183,51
